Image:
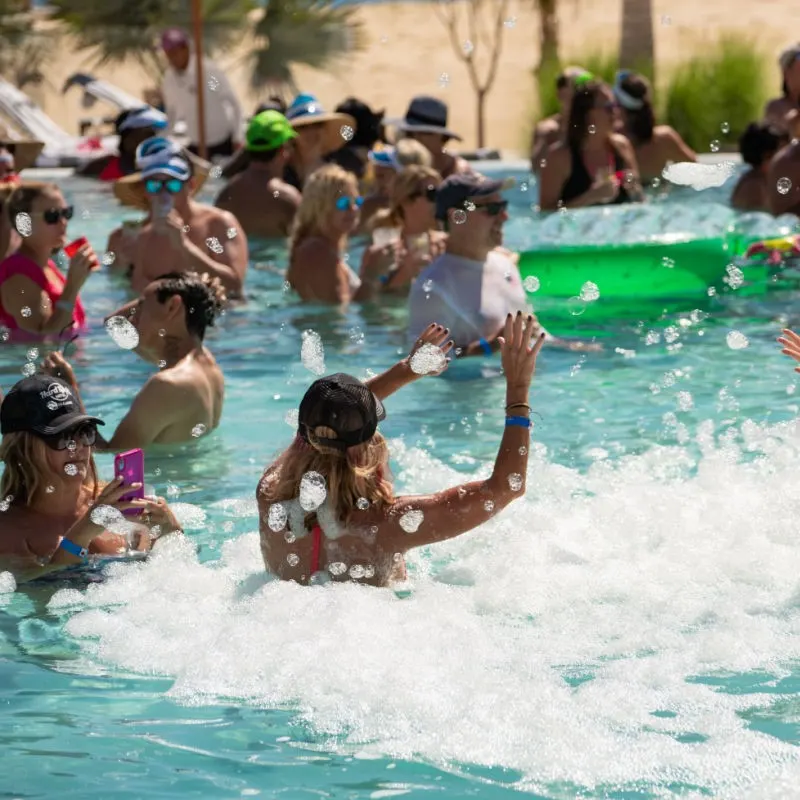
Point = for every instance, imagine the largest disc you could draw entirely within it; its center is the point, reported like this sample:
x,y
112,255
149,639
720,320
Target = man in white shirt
x,y
223,114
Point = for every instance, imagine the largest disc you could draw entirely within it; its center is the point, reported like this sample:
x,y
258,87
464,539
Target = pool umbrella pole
x,y
197,22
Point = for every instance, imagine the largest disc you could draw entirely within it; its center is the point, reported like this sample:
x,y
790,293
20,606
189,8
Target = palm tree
x,y
123,30
316,33
636,49
23,47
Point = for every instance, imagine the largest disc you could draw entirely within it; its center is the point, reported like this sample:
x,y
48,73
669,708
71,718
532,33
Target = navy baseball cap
x,y
453,192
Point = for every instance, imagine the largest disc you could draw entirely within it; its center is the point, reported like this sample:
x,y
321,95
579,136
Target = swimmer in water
x,y
50,485
327,506
183,400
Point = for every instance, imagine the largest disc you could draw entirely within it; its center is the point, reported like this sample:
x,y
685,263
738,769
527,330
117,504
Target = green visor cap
x,y
268,131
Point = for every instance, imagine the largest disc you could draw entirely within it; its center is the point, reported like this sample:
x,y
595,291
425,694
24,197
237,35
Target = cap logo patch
x,y
57,394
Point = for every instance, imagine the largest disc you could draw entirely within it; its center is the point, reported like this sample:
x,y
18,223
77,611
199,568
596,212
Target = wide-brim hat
x,y
129,190
306,110
25,151
425,115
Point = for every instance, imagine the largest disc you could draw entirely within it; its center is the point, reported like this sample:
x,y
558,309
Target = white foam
x,y
699,176
638,575
312,353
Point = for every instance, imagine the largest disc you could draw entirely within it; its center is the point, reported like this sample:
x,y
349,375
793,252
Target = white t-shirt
x,y
222,110
471,298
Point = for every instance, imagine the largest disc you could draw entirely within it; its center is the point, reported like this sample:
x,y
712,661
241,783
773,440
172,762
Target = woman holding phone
x,y
36,300
55,509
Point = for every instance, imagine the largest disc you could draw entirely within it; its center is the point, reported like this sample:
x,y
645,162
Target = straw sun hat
x,y
306,110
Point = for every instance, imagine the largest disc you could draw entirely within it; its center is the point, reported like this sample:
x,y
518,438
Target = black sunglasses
x,y
53,215
429,194
86,432
493,209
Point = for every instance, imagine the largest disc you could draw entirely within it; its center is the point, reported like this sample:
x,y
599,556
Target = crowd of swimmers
x,y
434,239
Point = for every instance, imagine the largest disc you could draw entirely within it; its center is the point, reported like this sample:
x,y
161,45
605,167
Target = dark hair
x,y
758,143
369,123
23,197
562,81
203,298
583,101
639,123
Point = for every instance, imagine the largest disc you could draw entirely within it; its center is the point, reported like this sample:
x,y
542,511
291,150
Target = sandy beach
x,y
408,52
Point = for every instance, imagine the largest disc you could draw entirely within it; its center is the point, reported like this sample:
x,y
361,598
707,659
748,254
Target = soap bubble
x,y
32,354
5,503
666,19
292,417
289,537
5,333
337,568
531,284
459,216
49,489
515,481
589,292
523,451
104,515
510,22
784,185
232,233
357,572
668,262
469,205
411,520
293,559
109,258
488,506
427,285
215,172
71,469
23,224
737,340
312,491
213,83
213,244
28,369
312,353
576,306
362,504
725,127
444,79
592,129
162,363
467,47
198,430
346,132
714,146
122,332
429,358
369,571
26,311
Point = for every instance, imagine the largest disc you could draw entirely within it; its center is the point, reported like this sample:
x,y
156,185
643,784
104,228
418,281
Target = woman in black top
x,y
594,166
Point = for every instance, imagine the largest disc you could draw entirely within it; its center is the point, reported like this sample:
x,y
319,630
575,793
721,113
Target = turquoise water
x,y
626,631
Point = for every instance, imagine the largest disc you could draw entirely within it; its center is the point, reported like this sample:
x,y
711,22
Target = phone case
x,y
130,466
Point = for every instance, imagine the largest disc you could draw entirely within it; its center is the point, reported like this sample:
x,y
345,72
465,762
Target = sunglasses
x,y
54,215
428,193
85,433
493,209
345,203
172,185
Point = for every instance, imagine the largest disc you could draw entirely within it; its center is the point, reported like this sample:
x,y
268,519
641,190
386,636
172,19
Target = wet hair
x,y
203,298
639,123
583,103
407,182
24,457
24,196
759,142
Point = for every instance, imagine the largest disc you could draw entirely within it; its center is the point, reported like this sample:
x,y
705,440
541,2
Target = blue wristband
x,y
518,422
74,549
485,346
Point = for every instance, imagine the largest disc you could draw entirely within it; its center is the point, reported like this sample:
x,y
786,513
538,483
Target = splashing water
x,y
312,353
313,491
122,331
198,430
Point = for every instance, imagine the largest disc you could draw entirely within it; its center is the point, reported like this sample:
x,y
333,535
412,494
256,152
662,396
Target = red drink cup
x,y
73,247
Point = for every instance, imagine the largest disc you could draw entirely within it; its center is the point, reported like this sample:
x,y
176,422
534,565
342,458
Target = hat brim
x,y
25,152
129,190
333,121
408,127
483,189
65,423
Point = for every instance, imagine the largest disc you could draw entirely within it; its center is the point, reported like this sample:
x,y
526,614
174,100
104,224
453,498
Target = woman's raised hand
x,y
790,342
520,344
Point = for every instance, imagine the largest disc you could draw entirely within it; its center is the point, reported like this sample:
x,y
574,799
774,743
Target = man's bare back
x,y
265,207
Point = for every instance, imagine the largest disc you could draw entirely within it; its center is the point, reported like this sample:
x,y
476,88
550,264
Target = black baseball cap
x,y
345,405
453,192
44,405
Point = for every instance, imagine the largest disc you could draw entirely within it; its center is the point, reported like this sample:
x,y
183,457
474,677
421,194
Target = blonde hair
x,y
323,189
349,474
410,152
406,183
23,197
24,456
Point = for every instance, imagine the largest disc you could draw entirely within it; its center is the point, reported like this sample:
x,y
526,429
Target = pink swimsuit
x,y
18,264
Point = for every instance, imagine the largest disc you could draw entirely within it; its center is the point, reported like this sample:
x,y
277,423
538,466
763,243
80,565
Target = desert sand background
x,y
408,51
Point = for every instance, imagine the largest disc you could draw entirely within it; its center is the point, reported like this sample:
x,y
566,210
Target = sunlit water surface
x,y
626,630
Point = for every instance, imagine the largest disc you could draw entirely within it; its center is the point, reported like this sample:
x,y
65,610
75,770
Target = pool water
x,y
624,631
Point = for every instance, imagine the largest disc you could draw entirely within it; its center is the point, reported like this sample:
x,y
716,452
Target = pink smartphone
x,y
130,467
73,247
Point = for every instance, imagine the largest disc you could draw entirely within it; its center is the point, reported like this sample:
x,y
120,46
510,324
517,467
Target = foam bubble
x,y
429,358
276,517
411,520
122,331
312,353
313,491
699,176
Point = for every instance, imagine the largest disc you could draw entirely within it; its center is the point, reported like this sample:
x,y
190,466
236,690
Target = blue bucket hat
x,y
306,110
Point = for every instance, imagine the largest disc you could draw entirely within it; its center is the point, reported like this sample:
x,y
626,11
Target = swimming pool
x,y
626,631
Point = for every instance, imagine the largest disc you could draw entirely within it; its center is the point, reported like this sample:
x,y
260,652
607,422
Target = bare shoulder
x,y
622,142
315,247
288,193
547,127
558,154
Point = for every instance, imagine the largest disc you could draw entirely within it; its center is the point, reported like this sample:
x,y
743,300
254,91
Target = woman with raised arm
x,y
327,505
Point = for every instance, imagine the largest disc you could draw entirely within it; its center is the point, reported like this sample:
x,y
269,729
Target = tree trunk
x,y
480,102
636,49
548,35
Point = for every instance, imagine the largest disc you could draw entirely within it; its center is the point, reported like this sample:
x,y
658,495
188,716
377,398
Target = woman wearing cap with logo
x,y
181,235
259,197
328,215
36,300
319,133
133,126
784,112
54,510
327,505
426,121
